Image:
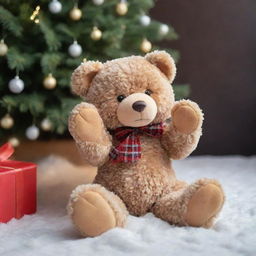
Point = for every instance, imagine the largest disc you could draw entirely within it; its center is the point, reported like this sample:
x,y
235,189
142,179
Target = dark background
x,y
217,43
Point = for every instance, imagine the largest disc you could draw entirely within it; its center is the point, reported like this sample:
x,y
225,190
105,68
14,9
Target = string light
x,y
34,16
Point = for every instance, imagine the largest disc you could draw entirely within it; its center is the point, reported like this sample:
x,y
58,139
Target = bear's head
x,y
132,91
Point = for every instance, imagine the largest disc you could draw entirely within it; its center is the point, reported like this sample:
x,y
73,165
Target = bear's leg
x,y
94,210
194,205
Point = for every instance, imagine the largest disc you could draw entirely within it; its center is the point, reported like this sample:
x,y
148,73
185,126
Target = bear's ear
x,y
82,77
164,62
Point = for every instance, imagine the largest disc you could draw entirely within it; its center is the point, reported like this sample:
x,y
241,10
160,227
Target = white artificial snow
x,y
49,232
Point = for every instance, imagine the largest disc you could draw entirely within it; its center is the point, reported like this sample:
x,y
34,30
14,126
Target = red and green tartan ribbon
x,y
129,148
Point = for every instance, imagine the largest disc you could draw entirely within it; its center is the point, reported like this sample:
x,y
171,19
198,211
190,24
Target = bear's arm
x,y
182,134
90,134
93,153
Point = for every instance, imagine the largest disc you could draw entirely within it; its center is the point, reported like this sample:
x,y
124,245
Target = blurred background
x,y
217,43
213,43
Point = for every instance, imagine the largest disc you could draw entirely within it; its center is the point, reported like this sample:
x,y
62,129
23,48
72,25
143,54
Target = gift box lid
x,y
9,166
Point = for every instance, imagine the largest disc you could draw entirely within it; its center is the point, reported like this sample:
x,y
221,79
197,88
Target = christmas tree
x,y
44,41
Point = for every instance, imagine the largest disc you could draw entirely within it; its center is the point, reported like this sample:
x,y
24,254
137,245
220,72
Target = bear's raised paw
x,y
187,116
85,124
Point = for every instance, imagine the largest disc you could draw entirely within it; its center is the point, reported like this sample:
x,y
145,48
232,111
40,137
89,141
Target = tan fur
x,y
150,183
83,75
94,146
164,62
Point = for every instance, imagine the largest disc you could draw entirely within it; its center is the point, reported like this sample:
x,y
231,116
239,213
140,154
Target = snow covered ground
x,y
49,232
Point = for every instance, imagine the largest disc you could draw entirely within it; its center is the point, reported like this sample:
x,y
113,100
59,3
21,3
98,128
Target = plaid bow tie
x,y
129,148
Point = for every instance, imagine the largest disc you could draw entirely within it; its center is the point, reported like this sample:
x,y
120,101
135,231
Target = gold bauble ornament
x,y
15,142
7,122
96,34
122,8
50,82
3,48
145,46
75,13
46,125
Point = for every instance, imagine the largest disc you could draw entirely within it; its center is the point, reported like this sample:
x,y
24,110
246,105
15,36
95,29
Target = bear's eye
x,y
148,92
120,98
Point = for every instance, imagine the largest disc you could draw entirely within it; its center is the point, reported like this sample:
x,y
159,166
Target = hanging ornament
x,y
96,34
7,122
75,13
145,46
15,142
145,20
50,82
16,85
75,49
164,29
32,132
3,48
98,2
122,8
55,6
46,125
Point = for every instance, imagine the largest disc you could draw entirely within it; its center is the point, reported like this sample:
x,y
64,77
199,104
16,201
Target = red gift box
x,y
17,186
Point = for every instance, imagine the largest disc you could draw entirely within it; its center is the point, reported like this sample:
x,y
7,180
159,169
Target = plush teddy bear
x,y
130,127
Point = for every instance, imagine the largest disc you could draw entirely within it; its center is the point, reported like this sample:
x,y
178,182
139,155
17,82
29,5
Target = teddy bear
x,y
131,128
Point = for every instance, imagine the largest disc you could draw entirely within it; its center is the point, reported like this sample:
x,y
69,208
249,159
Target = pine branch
x,y
144,4
59,114
58,119
18,60
73,62
114,36
10,22
63,28
137,6
32,103
63,77
49,35
50,61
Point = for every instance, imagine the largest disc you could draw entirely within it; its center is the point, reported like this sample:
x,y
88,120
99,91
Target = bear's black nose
x,y
139,105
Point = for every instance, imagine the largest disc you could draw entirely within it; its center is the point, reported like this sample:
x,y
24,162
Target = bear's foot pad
x,y
92,214
204,205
